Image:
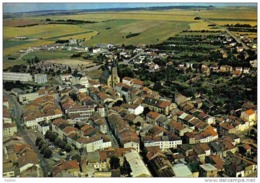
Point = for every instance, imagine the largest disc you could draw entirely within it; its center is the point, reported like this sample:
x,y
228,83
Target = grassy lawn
x,y
47,55
11,43
94,74
10,63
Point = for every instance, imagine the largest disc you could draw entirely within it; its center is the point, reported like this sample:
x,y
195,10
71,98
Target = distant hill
x,y
72,12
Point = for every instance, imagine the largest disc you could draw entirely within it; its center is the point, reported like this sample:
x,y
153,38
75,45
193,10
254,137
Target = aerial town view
x,y
129,90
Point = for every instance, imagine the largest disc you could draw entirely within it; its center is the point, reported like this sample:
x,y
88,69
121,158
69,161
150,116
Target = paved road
x,y
126,61
237,39
16,112
230,33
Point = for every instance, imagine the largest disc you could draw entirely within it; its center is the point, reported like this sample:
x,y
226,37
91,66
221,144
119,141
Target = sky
x,y
26,7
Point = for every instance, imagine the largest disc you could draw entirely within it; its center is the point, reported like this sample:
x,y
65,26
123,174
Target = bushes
x,y
132,35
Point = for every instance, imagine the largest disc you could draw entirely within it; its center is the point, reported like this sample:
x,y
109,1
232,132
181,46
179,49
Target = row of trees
x,y
54,137
43,147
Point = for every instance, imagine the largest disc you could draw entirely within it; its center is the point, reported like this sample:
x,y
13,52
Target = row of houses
x,y
19,160
87,137
44,108
126,136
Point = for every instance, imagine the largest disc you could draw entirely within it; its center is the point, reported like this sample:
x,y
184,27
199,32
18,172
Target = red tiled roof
x,y
127,78
69,129
153,115
164,104
28,157
250,112
137,82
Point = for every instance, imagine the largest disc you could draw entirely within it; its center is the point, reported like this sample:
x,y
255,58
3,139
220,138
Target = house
x,y
9,129
27,160
9,170
179,99
202,150
178,128
80,113
94,143
127,81
65,77
225,68
43,127
239,48
208,170
136,164
133,119
181,170
152,117
80,79
5,102
249,116
216,161
28,97
134,109
97,121
93,83
71,167
246,70
222,147
161,165
6,116
236,166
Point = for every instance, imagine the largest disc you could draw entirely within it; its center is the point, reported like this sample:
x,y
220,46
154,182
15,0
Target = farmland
x,y
113,27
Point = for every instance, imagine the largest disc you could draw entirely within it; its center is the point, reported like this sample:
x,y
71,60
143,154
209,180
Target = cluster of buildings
x,y
19,159
119,127
24,77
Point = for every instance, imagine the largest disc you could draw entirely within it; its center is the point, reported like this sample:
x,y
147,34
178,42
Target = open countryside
x,y
130,91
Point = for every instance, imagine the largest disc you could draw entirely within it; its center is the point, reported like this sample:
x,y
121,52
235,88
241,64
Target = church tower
x,y
110,75
114,75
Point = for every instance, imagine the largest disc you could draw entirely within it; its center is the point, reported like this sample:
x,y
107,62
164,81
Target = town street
x,y
16,113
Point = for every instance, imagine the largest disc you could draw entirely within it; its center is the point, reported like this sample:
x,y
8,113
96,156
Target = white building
x,y
162,142
16,76
93,143
136,109
137,165
82,80
28,97
65,77
181,170
9,129
40,78
43,127
132,144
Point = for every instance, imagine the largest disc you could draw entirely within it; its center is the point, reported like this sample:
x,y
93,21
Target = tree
x,y
67,148
47,153
47,134
36,60
41,143
38,139
62,144
114,162
43,147
57,141
76,157
53,136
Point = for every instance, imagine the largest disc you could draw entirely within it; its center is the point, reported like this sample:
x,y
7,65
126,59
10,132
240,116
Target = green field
x,y
112,27
48,55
